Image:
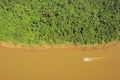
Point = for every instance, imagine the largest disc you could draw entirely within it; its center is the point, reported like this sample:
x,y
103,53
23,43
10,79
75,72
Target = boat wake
x,y
89,59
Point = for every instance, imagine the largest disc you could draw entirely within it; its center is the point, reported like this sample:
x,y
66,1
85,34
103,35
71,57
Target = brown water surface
x,y
59,64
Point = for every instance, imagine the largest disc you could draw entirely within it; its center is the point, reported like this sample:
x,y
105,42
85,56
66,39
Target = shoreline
x,y
59,46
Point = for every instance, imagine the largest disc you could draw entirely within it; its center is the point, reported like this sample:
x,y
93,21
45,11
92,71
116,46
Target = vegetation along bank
x,y
59,21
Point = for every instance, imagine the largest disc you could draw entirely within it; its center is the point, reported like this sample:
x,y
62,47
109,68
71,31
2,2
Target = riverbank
x,y
59,46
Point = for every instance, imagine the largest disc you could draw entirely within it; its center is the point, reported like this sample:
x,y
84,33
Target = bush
x,y
60,21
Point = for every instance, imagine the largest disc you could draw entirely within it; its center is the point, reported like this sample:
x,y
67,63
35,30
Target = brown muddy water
x,y
60,64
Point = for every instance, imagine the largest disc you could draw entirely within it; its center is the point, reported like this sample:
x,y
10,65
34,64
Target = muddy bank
x,y
62,46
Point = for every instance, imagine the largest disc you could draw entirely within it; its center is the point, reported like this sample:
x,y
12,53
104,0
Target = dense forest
x,y
59,21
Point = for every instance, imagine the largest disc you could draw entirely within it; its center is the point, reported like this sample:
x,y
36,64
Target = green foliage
x,y
60,21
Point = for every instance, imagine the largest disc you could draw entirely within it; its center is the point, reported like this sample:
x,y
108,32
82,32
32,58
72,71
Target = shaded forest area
x,y
59,21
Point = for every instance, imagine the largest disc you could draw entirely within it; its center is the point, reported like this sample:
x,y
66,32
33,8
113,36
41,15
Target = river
x,y
60,64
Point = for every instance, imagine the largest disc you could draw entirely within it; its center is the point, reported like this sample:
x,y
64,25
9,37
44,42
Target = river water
x,y
60,64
